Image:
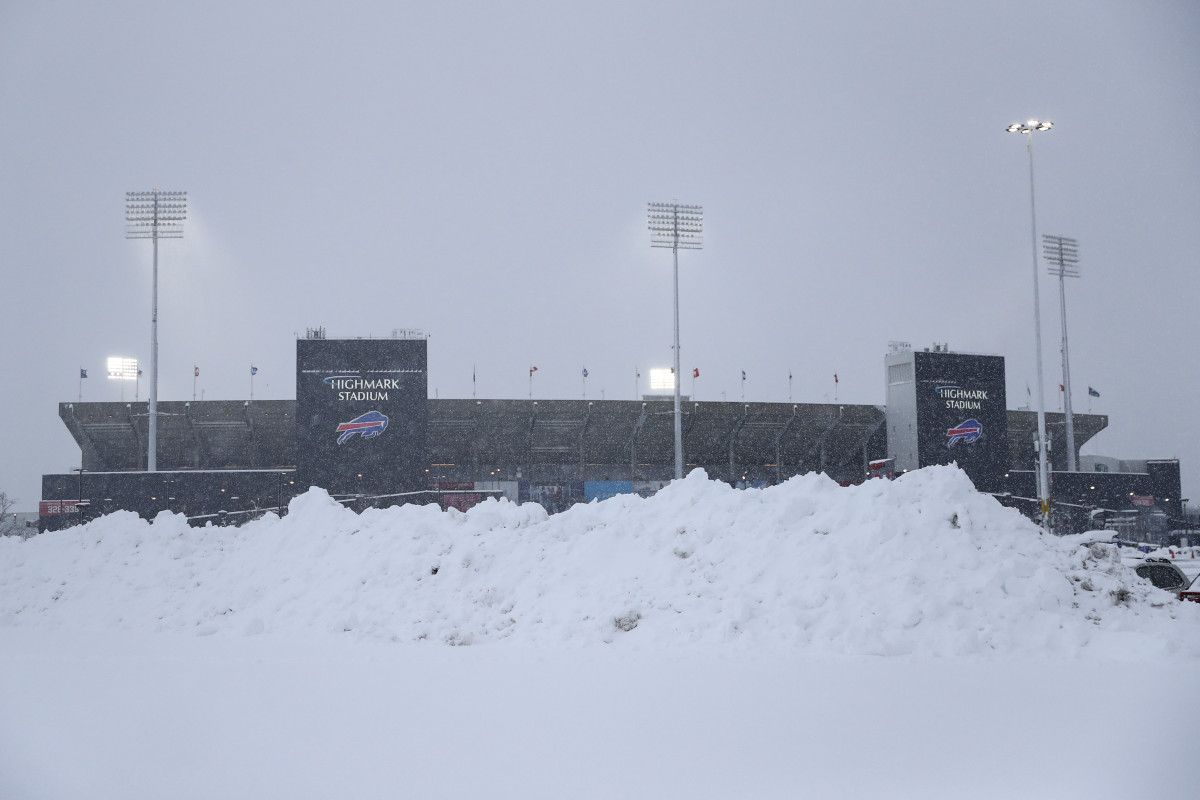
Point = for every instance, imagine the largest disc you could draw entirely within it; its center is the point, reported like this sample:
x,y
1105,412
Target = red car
x,y
1192,592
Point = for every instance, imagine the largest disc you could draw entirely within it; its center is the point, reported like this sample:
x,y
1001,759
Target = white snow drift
x,y
923,565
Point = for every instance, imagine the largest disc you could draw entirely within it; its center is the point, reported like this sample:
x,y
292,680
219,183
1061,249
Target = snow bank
x,y
923,565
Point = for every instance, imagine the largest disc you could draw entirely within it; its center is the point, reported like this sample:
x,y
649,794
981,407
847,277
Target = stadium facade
x,y
364,428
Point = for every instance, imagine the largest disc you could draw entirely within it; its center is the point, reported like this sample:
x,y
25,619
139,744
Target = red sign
x,y
1141,500
51,508
462,501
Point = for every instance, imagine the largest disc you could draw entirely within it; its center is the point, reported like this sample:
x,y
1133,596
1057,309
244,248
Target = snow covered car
x,y
1165,575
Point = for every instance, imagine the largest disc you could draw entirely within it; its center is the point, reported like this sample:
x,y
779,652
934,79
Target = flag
x,y
253,370
743,374
835,380
585,372
789,376
1092,392
1062,388
196,373
82,373
696,372
139,373
532,370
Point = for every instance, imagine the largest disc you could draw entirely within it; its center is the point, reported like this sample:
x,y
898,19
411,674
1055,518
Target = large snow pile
x,y
923,565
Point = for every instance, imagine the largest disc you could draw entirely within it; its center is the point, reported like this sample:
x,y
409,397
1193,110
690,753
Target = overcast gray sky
x,y
481,171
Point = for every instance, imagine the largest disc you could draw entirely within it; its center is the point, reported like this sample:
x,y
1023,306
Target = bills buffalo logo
x,y
965,432
370,425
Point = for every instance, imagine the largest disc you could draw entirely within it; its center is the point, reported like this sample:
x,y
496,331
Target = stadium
x,y
363,427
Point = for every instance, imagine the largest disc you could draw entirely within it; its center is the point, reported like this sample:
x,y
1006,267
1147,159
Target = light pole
x,y
79,493
1063,255
1028,128
154,215
678,227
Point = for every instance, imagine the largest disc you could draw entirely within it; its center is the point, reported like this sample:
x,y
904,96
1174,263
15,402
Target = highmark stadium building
x,y
363,427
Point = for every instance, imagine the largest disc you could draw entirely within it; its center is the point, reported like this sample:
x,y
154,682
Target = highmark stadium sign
x,y
961,414
362,414
962,399
357,388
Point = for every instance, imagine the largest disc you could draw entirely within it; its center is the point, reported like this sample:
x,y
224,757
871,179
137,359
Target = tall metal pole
x,y
1062,306
677,227
1043,474
678,411
152,456
153,215
1063,255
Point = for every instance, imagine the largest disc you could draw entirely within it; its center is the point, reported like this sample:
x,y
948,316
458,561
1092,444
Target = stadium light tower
x,y
1028,129
1063,256
122,369
678,227
154,215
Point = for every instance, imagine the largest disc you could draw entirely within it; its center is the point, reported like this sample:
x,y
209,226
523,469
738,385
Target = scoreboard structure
x,y
945,408
362,414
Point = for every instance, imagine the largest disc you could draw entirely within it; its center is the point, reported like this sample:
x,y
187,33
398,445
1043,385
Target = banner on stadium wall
x,y
553,497
51,508
962,415
602,490
361,408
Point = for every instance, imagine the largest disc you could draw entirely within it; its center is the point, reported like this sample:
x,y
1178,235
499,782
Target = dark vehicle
x,y
1165,575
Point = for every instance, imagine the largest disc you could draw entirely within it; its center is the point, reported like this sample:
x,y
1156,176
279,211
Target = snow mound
x,y
923,565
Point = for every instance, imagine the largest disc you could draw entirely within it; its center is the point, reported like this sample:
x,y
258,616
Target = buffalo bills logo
x,y
370,425
966,432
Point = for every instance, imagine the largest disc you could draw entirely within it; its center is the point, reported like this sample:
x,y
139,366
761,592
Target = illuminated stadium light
x,y
1030,126
678,227
1028,129
122,369
662,379
1062,254
154,215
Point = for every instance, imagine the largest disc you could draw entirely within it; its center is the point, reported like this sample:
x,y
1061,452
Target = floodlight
x,y
122,369
1043,468
1030,126
1062,255
154,215
662,379
676,226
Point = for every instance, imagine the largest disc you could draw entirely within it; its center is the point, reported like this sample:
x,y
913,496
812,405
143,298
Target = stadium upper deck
x,y
543,440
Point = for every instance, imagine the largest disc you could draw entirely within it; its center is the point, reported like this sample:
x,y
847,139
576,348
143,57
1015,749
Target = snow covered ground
x,y
896,639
